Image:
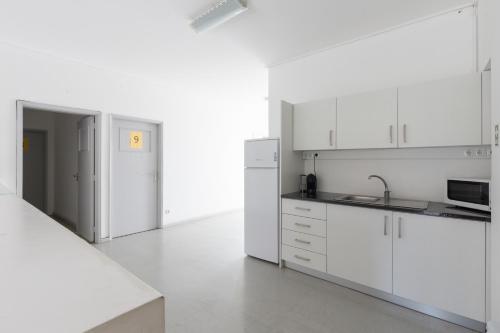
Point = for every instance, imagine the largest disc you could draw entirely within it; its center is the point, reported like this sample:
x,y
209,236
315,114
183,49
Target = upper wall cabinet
x,y
368,120
314,125
441,113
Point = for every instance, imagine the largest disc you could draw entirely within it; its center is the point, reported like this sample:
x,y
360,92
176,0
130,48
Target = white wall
x,y
489,23
434,48
411,173
206,118
66,165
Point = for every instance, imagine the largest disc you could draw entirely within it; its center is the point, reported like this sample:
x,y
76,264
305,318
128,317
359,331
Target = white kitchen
x,y
250,166
381,142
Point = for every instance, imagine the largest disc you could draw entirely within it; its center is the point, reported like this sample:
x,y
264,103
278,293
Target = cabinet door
x,y
441,113
441,262
367,120
314,125
359,245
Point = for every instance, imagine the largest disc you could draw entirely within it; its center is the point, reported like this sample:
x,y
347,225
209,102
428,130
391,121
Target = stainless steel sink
x,y
360,198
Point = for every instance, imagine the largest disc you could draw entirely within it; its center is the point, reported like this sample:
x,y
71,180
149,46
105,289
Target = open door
x,y
86,178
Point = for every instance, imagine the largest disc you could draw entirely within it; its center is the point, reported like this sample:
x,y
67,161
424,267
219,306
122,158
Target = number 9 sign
x,y
135,139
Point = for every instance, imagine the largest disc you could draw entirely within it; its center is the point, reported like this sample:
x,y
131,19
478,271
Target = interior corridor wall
x,y
206,118
45,122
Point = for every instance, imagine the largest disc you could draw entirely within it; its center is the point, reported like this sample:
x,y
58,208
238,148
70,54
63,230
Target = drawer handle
x,y
400,232
302,225
302,258
302,208
302,241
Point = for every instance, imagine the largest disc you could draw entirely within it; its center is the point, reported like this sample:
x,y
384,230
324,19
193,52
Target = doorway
x,y
135,174
58,169
35,168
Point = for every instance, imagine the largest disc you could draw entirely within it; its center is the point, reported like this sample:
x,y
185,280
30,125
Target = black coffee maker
x,y
311,180
312,184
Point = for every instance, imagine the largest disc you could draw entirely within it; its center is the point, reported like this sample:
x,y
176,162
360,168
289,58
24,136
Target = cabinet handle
x,y
302,241
301,208
400,233
390,134
331,137
302,225
302,258
385,224
404,133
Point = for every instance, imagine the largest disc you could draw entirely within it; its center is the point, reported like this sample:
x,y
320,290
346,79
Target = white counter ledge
x,y
53,281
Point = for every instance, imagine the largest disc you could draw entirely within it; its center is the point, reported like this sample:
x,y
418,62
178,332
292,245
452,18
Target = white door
x,y
441,113
134,167
314,125
441,262
368,120
359,245
86,178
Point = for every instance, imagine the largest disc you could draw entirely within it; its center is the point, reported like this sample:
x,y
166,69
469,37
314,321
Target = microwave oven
x,y
468,193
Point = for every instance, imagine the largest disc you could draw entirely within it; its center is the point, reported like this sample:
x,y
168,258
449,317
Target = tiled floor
x,y
211,286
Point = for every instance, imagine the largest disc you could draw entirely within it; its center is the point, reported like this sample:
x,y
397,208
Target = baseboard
x,y
425,309
63,221
202,217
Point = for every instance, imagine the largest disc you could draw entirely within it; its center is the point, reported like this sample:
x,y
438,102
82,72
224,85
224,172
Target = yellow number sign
x,y
136,139
26,144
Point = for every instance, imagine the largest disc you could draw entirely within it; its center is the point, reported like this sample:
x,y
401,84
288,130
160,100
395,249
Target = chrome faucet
x,y
387,193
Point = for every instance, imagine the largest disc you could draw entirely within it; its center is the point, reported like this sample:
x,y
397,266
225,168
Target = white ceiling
x,y
152,37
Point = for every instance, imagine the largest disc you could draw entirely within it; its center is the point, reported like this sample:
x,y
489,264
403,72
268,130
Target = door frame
x,y
46,157
21,105
159,197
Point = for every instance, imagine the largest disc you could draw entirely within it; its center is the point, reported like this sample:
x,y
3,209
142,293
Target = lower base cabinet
x,y
304,258
359,243
434,261
441,262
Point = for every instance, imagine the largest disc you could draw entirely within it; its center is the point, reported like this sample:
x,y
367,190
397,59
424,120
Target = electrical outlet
x,y
477,153
167,211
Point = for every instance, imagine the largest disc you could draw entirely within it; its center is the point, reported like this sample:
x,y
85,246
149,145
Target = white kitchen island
x,y
53,281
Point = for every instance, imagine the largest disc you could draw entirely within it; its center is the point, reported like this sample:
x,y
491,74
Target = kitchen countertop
x,y
433,209
53,281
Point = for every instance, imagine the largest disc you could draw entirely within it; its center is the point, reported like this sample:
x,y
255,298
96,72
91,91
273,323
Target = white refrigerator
x,y
262,199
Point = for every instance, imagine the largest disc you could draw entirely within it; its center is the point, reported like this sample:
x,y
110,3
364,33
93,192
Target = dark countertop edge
x,y
432,210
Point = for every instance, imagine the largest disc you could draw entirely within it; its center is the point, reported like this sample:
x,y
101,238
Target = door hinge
x,y
94,178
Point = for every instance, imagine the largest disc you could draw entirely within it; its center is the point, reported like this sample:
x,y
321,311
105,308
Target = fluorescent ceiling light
x,y
219,13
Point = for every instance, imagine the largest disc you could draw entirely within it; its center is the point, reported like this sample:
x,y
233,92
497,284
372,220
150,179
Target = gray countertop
x,y
409,206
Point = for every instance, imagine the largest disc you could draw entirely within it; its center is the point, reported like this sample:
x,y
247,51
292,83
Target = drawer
x,y
304,224
315,210
304,258
304,241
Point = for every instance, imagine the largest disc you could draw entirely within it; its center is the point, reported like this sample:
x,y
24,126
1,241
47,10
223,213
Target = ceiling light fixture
x,y
219,13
